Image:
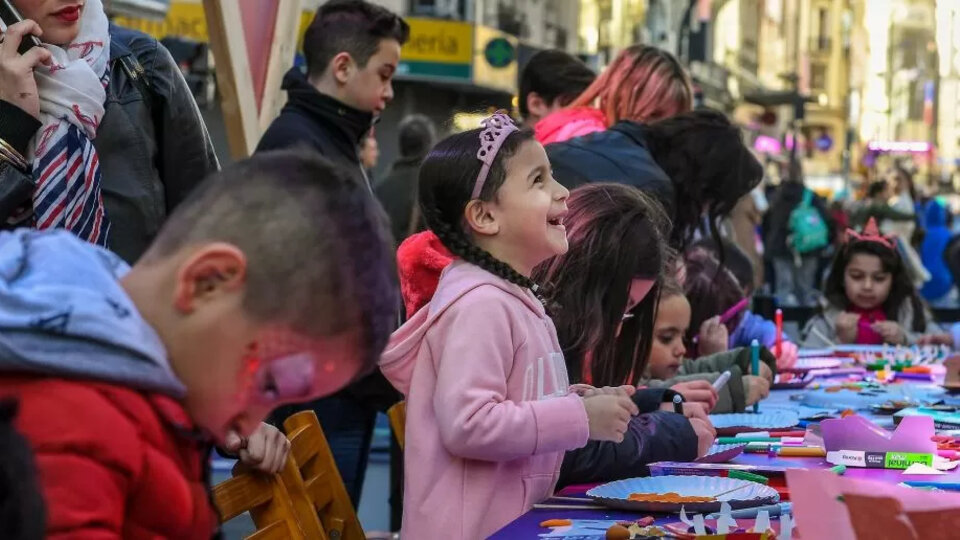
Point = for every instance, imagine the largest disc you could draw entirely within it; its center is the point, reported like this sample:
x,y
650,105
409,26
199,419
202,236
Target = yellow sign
x,y
184,19
432,40
494,60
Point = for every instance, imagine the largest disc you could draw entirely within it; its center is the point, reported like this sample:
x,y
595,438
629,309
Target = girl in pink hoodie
x,y
489,411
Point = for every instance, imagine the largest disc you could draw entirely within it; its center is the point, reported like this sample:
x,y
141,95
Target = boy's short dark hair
x,y
554,75
417,134
318,247
353,26
876,188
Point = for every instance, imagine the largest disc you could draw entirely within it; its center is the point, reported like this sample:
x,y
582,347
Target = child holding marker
x,y
489,412
667,364
870,298
603,300
720,309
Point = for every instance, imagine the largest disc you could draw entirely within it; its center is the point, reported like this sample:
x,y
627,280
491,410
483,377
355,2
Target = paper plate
x,y
722,453
867,349
818,362
745,422
616,494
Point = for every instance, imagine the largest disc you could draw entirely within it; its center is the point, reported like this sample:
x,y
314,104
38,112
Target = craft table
x,y
527,526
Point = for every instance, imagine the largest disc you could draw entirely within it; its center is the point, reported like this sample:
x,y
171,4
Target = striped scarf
x,y
66,167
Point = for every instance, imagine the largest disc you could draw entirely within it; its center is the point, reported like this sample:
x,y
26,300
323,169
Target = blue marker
x,y
755,366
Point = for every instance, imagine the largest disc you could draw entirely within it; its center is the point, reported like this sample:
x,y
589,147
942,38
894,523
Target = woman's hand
x,y
17,85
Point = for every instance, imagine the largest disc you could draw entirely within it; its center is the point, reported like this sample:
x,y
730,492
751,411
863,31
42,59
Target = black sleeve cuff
x,y
17,126
650,399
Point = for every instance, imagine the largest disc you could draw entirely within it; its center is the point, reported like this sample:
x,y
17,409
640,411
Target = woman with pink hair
x,y
643,84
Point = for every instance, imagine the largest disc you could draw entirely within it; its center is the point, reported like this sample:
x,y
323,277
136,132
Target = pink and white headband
x,y
497,128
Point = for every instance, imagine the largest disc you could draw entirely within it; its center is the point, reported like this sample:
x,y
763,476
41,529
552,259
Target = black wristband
x,y
17,126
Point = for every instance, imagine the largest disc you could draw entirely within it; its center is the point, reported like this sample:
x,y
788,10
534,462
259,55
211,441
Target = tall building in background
x,y
948,121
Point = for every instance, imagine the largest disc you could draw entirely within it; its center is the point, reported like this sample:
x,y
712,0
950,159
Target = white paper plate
x,y
810,353
870,349
616,494
745,422
722,453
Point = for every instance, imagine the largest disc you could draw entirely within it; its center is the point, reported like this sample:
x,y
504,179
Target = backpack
x,y
808,230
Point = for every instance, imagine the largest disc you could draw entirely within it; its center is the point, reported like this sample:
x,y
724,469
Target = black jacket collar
x,y
352,123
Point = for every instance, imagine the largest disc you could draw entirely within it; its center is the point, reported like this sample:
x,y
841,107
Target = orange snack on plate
x,y
556,523
670,497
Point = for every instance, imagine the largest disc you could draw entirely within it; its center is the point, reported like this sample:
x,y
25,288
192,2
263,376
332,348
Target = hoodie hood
x,y
63,313
421,259
456,280
935,215
567,124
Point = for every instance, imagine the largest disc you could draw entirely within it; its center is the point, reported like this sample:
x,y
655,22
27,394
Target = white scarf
x,y
65,162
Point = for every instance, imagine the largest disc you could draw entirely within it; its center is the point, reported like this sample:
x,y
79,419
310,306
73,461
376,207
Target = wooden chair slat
x,y
274,531
315,463
239,494
398,421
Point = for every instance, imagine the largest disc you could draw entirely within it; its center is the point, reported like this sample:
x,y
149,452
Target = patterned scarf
x,y
66,167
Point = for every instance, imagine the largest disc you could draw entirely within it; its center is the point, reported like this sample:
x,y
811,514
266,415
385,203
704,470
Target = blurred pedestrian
x,y
398,191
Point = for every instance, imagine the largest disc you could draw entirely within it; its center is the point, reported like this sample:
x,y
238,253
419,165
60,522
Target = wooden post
x,y
282,50
245,118
234,81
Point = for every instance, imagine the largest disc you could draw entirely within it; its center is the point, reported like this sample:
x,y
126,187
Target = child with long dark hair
x,y
870,298
605,299
489,412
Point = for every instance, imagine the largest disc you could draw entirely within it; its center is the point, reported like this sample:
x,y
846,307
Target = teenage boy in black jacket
x,y
352,49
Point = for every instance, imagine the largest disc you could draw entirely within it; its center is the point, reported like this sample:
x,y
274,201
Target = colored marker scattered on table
x,y
778,318
721,381
755,366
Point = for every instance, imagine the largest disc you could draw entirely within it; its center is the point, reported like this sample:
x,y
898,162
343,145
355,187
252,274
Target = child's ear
x,y
537,105
479,218
342,67
214,270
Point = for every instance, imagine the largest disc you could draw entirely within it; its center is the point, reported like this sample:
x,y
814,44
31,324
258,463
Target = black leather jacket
x,y
152,143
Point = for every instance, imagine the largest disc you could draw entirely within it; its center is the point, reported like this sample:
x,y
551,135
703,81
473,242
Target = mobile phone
x,y
10,16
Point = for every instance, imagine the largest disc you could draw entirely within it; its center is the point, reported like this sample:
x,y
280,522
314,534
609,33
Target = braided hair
x,y
447,177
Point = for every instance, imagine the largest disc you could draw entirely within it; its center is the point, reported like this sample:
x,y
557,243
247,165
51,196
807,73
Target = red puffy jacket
x,y
113,462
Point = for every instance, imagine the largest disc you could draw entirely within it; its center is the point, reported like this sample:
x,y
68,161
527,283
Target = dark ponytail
x,y
447,178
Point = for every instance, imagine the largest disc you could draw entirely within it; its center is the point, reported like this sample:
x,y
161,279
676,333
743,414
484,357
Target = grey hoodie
x,y
64,313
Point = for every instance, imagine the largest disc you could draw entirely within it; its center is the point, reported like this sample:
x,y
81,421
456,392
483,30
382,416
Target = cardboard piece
x,y
822,509
857,433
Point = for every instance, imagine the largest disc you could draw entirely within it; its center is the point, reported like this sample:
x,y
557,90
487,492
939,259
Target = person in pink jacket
x,y
489,407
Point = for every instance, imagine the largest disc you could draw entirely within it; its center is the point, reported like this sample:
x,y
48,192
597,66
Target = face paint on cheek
x,y
248,374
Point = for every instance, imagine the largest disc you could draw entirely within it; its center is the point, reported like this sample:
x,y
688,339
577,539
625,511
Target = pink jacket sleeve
x,y
474,358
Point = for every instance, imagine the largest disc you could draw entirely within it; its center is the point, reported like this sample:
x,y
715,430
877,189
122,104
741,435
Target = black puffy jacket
x,y
152,143
619,155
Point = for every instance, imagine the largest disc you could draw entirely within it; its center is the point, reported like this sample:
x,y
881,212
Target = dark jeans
x,y
348,426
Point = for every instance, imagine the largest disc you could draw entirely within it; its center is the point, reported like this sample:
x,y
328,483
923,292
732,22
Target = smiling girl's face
x,y
667,351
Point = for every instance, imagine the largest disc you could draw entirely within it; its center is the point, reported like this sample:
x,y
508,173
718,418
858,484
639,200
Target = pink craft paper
x,y
819,514
857,433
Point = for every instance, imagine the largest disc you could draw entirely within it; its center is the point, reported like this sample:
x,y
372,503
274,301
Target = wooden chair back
x,y
398,420
267,500
322,483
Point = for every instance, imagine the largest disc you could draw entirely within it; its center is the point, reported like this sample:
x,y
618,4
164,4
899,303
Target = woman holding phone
x,y
99,133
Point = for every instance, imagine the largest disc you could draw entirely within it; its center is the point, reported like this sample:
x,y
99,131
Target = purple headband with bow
x,y
496,130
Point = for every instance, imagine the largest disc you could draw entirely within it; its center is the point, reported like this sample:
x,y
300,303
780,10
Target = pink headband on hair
x,y
871,233
496,130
